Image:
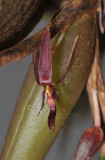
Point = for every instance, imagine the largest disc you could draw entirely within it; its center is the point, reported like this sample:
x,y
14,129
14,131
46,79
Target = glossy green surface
x,y
29,137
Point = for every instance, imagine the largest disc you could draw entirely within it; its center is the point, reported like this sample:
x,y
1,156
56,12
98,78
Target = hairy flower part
x,y
43,75
90,142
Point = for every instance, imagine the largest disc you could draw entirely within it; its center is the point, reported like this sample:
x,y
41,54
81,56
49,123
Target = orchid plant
x,y
93,138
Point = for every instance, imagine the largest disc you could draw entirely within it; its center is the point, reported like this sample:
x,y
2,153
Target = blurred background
x,y
11,79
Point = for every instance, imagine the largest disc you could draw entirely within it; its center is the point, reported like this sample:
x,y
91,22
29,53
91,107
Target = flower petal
x,y
51,118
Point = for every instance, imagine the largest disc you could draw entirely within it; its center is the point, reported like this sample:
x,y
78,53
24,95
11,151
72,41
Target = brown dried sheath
x,y
17,19
67,16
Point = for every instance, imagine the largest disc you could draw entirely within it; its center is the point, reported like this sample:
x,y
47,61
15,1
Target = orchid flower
x,y
43,75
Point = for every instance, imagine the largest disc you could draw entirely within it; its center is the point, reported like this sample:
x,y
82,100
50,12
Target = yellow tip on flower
x,y
47,89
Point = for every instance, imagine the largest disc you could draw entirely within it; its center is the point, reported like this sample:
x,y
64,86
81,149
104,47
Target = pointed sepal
x,y
64,73
90,142
45,63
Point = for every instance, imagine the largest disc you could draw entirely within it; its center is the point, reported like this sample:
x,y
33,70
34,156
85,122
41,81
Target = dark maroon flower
x,y
43,75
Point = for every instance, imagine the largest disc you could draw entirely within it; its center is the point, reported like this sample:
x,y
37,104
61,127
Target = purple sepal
x,y
45,62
